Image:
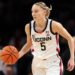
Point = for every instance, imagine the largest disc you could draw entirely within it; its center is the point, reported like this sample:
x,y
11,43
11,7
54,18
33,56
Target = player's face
x,y
37,12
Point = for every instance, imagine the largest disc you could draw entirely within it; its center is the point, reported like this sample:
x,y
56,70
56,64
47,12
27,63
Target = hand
x,y
70,65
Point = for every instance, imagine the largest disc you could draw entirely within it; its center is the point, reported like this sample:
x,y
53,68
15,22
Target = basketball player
x,y
42,38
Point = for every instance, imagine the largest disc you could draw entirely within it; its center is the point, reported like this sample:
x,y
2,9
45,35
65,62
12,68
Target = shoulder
x,y
28,24
56,23
56,26
27,28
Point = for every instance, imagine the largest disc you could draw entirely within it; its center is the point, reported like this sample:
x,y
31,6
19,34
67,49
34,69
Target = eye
x,y
36,11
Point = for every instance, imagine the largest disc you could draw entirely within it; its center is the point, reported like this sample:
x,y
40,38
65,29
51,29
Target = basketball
x,y
9,55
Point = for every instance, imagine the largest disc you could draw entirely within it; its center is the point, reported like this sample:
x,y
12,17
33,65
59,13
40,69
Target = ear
x,y
45,11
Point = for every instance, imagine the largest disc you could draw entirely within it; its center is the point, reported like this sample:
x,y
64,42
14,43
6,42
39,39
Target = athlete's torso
x,y
44,44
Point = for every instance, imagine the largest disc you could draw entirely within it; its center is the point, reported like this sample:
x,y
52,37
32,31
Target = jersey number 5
x,y
43,47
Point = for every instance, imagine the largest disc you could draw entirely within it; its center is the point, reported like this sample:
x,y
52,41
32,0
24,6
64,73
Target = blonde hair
x,y
45,7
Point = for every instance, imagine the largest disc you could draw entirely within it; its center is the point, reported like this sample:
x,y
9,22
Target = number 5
x,y
43,47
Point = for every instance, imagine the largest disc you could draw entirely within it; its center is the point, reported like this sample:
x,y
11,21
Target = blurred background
x,y
14,14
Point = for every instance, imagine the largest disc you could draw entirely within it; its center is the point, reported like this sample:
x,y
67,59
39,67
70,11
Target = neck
x,y
41,23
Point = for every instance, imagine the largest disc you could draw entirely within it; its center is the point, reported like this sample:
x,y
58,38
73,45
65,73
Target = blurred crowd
x,y
15,14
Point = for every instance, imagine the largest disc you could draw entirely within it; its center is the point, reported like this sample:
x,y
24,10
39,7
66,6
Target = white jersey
x,y
44,44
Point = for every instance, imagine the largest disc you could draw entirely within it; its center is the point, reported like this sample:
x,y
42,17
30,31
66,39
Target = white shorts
x,y
50,66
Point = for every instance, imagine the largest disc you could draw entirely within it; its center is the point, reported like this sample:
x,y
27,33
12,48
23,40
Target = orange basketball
x,y
9,55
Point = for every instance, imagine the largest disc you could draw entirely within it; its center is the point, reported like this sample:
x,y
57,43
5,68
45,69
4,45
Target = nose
x,y
33,14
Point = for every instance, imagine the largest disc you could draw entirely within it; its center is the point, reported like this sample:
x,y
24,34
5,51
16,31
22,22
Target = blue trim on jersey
x,y
43,29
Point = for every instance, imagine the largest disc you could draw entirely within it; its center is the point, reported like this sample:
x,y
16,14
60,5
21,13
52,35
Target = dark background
x,y
14,14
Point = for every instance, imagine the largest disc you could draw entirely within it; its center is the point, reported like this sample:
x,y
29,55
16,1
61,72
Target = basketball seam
x,y
7,58
12,49
12,54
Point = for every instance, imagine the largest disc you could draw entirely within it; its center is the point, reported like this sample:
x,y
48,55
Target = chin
x,y
36,19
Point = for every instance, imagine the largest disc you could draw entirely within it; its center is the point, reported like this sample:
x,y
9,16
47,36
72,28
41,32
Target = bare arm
x,y
58,28
28,44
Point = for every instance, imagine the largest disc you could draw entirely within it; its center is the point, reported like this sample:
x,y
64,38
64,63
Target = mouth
x,y
34,17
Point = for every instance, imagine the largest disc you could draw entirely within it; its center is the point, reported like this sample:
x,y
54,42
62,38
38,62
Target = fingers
x,y
70,67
